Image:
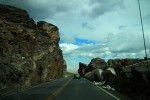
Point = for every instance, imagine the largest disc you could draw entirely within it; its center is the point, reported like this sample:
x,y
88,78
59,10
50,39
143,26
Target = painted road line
x,y
109,93
25,89
51,97
106,91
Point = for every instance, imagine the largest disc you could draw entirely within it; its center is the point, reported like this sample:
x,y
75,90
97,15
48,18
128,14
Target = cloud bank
x,y
93,28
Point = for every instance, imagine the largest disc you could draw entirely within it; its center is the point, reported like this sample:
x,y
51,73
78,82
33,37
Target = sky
x,y
107,29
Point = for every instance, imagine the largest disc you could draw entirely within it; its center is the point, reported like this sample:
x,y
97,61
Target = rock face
x,y
133,80
122,62
83,68
97,70
97,63
118,64
29,53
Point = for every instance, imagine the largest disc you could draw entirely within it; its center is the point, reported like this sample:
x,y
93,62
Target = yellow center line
x,y
51,97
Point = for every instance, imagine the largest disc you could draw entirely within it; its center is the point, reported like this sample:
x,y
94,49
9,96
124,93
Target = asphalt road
x,y
64,89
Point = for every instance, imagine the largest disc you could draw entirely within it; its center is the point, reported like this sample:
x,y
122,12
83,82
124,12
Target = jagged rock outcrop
x,y
83,68
118,64
97,70
29,53
131,80
123,62
97,63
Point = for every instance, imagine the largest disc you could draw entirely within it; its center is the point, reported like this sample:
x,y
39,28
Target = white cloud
x,y
66,47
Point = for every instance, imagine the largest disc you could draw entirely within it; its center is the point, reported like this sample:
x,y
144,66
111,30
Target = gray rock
x,y
98,63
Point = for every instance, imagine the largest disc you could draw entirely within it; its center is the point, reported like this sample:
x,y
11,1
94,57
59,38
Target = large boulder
x,y
132,77
82,69
29,53
108,75
97,63
94,75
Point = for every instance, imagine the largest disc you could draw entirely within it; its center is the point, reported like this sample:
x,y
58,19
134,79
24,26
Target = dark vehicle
x,y
76,76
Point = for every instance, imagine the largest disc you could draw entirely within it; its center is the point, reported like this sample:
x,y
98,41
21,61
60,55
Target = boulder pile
x,y
129,76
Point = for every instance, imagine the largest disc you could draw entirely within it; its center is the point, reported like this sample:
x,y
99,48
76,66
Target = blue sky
x,y
107,29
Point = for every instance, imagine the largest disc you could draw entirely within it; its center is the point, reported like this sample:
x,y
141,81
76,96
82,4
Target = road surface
x,y
64,89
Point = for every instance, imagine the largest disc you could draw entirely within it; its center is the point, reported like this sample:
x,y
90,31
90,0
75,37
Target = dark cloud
x,y
39,9
121,27
42,9
100,7
85,25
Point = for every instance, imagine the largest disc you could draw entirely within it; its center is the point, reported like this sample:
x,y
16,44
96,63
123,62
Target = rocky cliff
x,y
29,52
